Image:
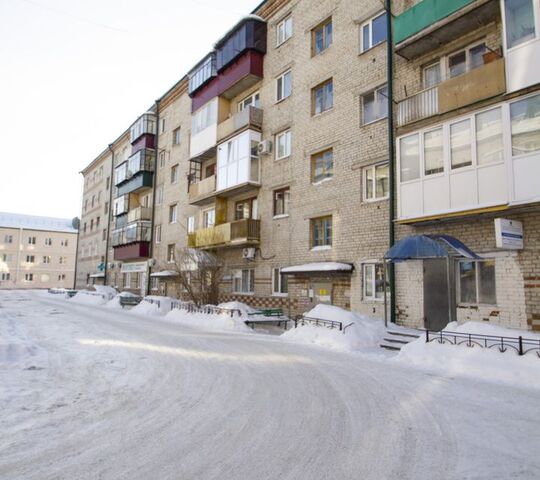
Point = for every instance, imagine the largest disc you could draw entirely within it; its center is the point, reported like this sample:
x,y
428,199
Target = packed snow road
x,y
90,393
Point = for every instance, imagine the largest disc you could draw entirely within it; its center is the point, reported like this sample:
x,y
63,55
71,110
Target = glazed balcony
x,y
432,23
133,251
202,191
121,205
239,232
250,117
480,83
136,173
202,73
139,214
145,125
132,233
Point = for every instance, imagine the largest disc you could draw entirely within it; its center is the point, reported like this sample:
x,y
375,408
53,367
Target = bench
x,y
268,312
268,321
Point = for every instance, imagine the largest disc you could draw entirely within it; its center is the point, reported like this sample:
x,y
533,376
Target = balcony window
x,y
204,117
321,232
209,218
376,182
433,152
321,37
409,153
190,224
373,32
476,282
322,97
322,166
375,105
284,30
525,121
519,22
283,144
460,144
489,137
281,202
252,100
246,209
432,75
134,232
202,73
280,282
145,124
284,86
243,280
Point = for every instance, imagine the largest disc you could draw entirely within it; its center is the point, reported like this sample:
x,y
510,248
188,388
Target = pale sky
x,y
75,74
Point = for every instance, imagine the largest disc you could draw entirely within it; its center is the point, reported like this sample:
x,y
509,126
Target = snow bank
x,y
204,321
146,308
364,333
85,297
480,363
107,292
114,303
245,309
164,302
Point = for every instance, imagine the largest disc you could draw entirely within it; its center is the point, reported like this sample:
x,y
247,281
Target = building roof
x,y
417,247
33,222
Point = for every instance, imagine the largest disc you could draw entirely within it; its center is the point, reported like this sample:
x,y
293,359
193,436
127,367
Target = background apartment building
x,y
36,252
468,153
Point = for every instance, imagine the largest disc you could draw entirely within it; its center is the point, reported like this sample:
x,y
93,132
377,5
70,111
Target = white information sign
x,y
508,234
133,267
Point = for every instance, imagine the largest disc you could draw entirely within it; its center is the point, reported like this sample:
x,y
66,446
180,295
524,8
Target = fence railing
x,y
207,309
520,345
319,322
416,107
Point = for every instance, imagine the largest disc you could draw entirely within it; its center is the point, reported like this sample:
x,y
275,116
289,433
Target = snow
x,y
360,332
107,292
219,323
85,297
146,308
479,363
33,222
319,267
114,303
245,309
164,273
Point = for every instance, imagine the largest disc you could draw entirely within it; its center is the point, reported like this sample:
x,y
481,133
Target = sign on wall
x,y
133,267
508,234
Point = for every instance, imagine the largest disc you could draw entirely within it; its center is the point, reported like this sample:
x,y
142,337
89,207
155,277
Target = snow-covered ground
x,y
90,392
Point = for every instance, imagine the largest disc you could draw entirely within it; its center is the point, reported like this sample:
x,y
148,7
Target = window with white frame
x,y
284,30
162,126
31,240
177,136
7,257
204,117
173,213
376,182
281,201
433,152
525,125
284,86
373,281
375,105
162,159
321,232
8,238
519,16
373,32
175,172
209,218
476,282
159,195
238,160
243,280
48,241
30,258
280,282
283,144
5,276
47,259
157,233
191,224
29,277
253,100
170,252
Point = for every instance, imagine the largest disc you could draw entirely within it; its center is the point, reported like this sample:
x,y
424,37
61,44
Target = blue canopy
x,y
417,247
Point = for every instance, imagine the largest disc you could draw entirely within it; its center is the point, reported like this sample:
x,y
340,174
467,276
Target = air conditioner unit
x,y
264,147
249,253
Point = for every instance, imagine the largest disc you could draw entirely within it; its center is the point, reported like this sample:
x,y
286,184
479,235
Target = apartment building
x,y
468,158
95,214
36,252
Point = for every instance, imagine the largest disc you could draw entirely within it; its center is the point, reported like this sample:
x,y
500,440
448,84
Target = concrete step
x,y
396,340
397,333
389,346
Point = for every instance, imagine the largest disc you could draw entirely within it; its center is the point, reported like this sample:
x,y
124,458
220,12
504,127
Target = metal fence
x,y
318,322
423,104
207,309
520,345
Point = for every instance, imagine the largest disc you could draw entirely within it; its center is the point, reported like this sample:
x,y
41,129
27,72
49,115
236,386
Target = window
x,y
159,195
63,260
238,161
460,144
62,276
476,282
281,201
243,281
97,222
170,253
30,258
5,276
252,100
376,181
284,86
8,239
47,259
29,277
210,170
158,233
322,166
93,200
432,75
7,257
31,240
433,152
489,139
246,209
177,136
91,224
525,118
375,105
409,155
108,183
84,227
162,125
373,281
466,60
209,218
191,224
174,173
373,32
64,243
321,232
280,282
162,159
322,97
321,37
284,30
283,144
204,117
106,208
173,212
104,234
48,241
86,205
519,21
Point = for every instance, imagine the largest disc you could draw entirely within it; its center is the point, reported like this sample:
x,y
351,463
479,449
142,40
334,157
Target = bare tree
x,y
199,274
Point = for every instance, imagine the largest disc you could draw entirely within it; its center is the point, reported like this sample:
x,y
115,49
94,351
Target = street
x,y
93,393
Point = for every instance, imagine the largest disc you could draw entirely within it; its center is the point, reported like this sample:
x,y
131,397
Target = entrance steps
x,y
397,337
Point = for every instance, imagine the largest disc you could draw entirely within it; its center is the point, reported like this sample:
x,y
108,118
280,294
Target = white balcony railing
x,y
422,105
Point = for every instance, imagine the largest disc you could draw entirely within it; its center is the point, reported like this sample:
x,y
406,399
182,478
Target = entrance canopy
x,y
164,273
97,275
319,267
418,247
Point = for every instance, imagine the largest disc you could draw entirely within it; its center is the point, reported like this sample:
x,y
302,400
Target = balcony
x,y
202,191
250,117
121,205
432,23
133,232
139,214
239,232
133,251
136,173
145,125
483,82
202,73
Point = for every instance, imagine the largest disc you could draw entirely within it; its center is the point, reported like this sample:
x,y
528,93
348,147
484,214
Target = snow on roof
x,y
319,267
33,222
236,25
97,275
164,273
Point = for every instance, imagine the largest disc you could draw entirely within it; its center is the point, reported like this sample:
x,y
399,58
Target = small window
x,y
431,75
322,97
284,86
30,258
525,118
322,166
460,144
48,241
252,100
373,281
108,183
209,218
376,182
373,32
47,259
476,282
170,253
162,126
433,152
177,136
5,276
246,209
174,173
31,240
161,159
173,213
159,195
409,158
191,224
243,281
280,282
104,234
281,201
8,239
519,22
29,277
489,137
158,233
284,30
63,260
283,144
106,208
321,232
375,105
321,37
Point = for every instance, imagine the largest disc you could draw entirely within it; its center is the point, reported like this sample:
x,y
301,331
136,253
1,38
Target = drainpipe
x,y
391,154
156,148
109,215
77,255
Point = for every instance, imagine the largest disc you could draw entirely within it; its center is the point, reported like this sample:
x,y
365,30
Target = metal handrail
x,y
520,345
318,322
190,307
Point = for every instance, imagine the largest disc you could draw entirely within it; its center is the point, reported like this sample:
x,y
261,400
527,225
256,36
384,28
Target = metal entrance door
x,y
437,311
